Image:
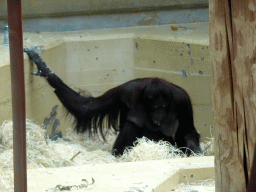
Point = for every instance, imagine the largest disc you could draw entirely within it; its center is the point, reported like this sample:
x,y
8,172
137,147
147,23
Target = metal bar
x,y
18,94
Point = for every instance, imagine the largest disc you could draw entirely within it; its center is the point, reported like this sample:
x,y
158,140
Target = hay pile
x,y
73,150
43,152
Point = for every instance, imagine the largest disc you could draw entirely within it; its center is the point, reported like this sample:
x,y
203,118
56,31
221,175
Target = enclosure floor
x,y
160,175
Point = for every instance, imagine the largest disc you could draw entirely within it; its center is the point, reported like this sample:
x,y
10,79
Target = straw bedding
x,y
75,150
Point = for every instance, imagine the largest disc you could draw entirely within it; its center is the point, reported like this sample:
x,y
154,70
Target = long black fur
x,y
125,108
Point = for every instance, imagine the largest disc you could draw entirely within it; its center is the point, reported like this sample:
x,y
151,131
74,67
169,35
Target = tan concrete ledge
x,y
157,176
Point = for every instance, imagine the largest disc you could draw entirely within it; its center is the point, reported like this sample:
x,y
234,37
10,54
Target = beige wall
x,y
40,98
101,59
50,8
99,64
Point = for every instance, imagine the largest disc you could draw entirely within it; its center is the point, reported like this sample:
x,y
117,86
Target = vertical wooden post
x,y
18,95
252,181
233,56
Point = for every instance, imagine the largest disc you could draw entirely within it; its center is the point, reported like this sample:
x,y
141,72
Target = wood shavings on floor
x,y
73,150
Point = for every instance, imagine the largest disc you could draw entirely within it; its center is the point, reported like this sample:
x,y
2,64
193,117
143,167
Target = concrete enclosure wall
x,y
63,8
99,64
103,59
70,15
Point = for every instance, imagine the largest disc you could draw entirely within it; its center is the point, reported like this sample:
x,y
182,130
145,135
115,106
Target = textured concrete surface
x,y
66,15
96,60
38,8
148,176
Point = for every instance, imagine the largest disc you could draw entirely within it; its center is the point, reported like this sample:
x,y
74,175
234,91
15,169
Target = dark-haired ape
x,y
149,107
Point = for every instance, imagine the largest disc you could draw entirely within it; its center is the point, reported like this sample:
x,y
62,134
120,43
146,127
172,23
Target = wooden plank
x,y
252,181
233,57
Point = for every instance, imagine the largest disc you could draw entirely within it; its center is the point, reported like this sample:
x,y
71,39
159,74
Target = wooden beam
x,y
252,181
18,95
233,57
